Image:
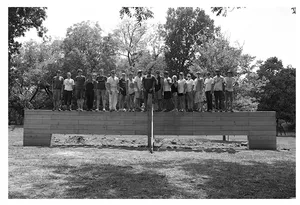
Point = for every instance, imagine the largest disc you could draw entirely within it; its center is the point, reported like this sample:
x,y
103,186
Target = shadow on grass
x,y
156,149
206,178
110,181
220,179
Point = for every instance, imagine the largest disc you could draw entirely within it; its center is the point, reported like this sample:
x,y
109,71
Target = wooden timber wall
x,y
260,127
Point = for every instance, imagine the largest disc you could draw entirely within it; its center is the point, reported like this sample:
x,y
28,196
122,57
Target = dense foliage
x,y
188,42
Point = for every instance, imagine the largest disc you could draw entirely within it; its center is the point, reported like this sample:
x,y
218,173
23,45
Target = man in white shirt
x,y
189,93
217,88
138,90
68,90
167,92
208,85
112,83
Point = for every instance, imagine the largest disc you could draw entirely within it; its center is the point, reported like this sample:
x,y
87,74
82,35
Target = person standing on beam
x,y
149,87
229,84
167,92
79,87
138,90
112,87
57,88
181,92
208,94
158,92
217,89
101,90
198,88
189,93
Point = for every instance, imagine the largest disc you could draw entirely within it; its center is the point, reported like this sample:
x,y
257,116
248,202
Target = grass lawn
x,y
121,167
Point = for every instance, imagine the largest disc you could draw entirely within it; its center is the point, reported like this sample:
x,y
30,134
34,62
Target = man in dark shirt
x,y
158,92
101,90
79,87
122,92
57,87
89,93
148,83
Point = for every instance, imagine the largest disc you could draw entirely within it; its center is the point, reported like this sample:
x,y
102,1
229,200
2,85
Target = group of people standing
x,y
168,93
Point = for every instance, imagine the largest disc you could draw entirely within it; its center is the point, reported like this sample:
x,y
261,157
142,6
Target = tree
x,y
279,92
82,47
185,28
131,40
218,53
140,13
20,20
35,62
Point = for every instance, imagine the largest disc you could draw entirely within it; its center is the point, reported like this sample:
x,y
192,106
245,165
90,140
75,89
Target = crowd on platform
x,y
131,92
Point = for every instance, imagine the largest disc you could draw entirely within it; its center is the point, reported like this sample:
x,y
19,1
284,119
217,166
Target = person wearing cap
x,y
158,92
101,93
198,89
217,89
148,82
229,83
181,89
138,90
167,92
208,86
189,93
57,88
79,88
112,87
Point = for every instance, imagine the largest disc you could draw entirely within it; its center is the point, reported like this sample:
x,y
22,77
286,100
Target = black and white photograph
x,y
131,100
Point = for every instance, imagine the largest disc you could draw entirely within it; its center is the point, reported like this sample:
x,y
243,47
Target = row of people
x,y
174,93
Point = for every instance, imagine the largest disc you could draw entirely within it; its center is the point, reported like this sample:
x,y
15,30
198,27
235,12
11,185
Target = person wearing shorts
x,y
57,88
79,88
189,93
122,92
208,93
68,90
217,88
101,93
181,92
174,90
148,87
158,92
229,82
130,92
167,92
138,90
198,89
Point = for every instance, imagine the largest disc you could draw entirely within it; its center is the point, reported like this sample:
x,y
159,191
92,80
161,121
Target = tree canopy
x,y
20,20
186,28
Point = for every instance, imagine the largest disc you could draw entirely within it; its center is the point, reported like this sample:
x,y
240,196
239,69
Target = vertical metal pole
x,y
150,123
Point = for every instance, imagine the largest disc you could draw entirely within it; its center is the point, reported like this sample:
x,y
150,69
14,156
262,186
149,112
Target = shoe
x,y
103,110
78,109
59,109
70,109
97,110
53,109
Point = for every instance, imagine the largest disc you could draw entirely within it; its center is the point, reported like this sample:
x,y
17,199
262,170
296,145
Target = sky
x,y
263,31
